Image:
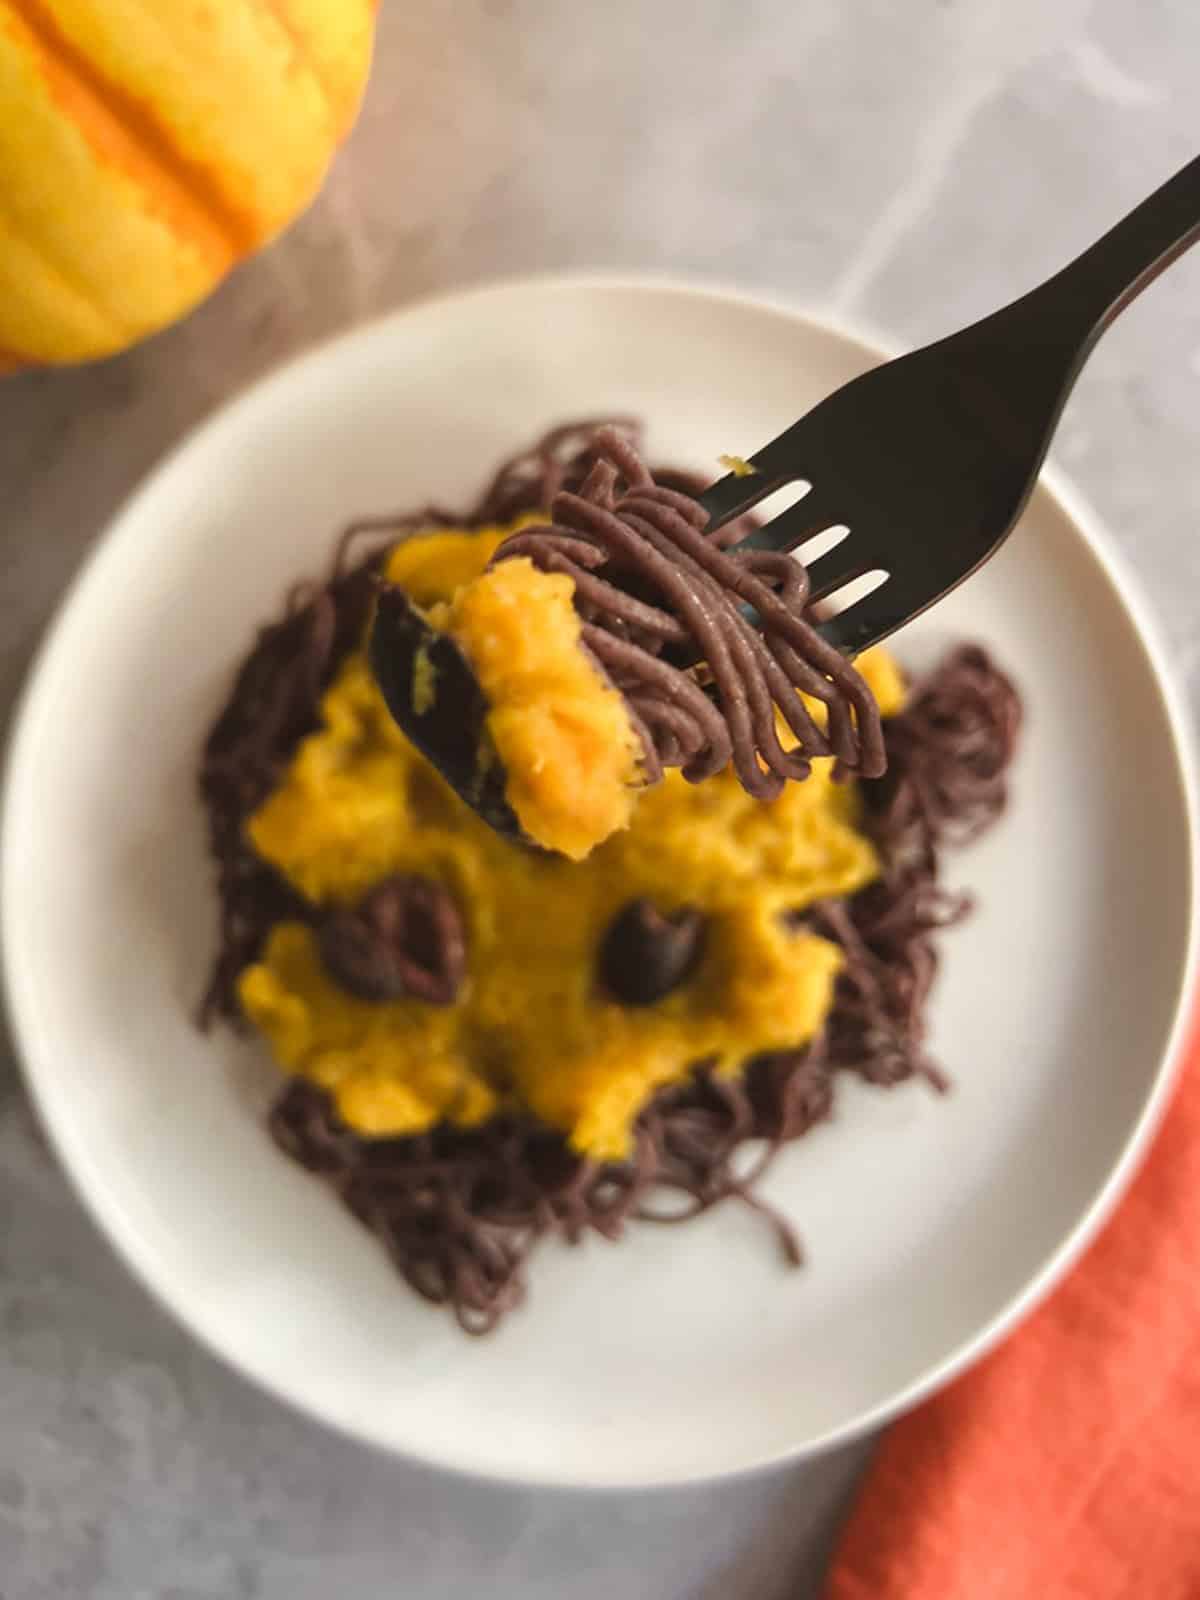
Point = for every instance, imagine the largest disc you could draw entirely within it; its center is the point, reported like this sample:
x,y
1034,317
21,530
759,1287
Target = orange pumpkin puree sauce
x,y
532,1026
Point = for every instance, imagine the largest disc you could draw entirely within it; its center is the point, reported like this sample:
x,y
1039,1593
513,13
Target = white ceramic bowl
x,y
931,1224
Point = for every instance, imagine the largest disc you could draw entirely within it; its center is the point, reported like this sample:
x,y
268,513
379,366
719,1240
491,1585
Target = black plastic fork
x,y
925,462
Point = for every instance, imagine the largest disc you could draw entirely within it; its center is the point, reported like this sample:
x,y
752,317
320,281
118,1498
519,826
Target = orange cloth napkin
x,y
1067,1465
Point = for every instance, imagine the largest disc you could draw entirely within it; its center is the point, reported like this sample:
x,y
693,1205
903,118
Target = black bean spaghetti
x,y
663,609
276,696
460,1210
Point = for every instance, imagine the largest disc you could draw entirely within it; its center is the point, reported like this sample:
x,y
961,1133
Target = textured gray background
x,y
908,165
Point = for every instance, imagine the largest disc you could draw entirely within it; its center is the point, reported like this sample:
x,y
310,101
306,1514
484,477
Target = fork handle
x,y
1096,287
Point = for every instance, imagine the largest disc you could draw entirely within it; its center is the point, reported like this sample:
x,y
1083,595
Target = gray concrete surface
x,y
905,165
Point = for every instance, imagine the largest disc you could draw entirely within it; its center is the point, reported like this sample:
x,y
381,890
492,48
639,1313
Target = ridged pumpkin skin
x,y
146,146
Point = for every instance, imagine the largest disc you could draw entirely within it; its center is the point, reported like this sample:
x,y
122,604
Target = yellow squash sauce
x,y
558,726
532,1026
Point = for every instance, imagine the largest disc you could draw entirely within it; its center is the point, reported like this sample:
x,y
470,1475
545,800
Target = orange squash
x,y
147,146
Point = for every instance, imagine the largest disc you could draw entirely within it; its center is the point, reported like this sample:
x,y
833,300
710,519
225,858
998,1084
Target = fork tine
x,y
810,515
733,495
854,630
836,569
910,589
837,561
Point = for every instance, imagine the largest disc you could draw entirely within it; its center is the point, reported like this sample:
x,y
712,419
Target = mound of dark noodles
x,y
460,1211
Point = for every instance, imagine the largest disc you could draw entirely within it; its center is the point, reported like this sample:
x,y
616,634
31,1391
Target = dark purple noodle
x,y
652,585
276,697
460,1211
